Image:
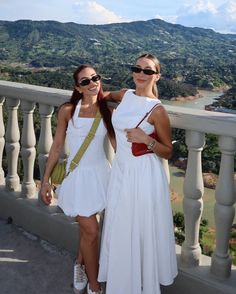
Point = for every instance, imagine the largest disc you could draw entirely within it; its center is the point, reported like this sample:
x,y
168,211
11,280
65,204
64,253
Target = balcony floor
x,y
26,260
27,263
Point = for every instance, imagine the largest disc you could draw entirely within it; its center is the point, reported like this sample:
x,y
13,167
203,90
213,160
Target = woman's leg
x,y
89,230
80,278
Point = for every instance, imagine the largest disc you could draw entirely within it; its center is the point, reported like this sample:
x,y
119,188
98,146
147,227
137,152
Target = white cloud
x,y
229,10
206,14
201,7
79,11
90,12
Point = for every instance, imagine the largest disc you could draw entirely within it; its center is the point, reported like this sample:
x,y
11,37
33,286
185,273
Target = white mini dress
x,y
83,191
138,244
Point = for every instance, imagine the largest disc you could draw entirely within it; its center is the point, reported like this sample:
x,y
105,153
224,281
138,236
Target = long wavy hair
x,y
157,66
102,103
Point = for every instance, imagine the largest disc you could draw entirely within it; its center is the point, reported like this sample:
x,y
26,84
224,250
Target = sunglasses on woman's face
x,y
86,82
146,71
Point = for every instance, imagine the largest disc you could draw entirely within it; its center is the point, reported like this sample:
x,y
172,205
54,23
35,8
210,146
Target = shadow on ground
x,y
29,265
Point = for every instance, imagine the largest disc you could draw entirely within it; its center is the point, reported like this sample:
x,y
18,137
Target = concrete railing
x,y
196,123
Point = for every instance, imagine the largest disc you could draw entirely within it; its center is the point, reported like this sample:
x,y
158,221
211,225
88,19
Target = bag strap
x,y
74,163
147,114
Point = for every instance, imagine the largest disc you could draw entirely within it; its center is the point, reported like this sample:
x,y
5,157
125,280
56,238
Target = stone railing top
x,y
49,96
218,123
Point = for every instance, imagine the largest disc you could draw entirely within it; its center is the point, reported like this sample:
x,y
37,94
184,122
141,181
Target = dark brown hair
x,y
102,103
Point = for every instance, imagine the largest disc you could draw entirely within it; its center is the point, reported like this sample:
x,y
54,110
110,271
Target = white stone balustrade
x,y
12,144
45,138
192,203
196,123
2,141
224,209
28,151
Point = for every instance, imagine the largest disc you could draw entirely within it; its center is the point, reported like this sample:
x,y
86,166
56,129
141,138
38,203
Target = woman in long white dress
x,y
138,246
82,194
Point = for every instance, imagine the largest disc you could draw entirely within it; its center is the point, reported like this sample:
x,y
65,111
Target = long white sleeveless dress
x,y
138,246
83,191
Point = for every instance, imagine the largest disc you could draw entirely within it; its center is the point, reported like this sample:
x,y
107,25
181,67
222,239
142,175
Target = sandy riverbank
x,y
187,98
201,93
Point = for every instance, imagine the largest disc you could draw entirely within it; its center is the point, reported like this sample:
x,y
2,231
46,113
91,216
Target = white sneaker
x,y
80,279
91,292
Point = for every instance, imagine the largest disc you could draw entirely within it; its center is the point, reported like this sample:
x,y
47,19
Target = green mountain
x,y
47,52
200,57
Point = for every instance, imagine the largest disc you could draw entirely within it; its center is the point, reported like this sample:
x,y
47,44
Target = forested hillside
x,y
46,53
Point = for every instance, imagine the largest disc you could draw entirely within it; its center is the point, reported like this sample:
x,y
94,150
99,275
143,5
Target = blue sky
x,y
219,15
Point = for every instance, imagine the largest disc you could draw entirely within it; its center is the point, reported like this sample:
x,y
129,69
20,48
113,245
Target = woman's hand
x,y
136,135
46,193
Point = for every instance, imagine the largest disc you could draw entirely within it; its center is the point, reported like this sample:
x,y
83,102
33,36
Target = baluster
x,y
192,203
45,138
224,209
28,151
12,145
2,141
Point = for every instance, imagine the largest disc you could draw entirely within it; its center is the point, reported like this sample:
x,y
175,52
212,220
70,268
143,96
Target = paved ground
x,y
29,265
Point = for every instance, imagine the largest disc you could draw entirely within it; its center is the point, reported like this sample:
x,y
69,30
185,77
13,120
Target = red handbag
x,y
139,149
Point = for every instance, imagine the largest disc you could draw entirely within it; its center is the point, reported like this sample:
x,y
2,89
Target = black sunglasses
x,y
86,82
146,71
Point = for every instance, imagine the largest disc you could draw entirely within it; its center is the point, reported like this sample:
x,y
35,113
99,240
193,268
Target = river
x,y
177,175
207,98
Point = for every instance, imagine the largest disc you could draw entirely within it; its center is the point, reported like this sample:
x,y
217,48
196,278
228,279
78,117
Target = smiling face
x,y
142,80
88,82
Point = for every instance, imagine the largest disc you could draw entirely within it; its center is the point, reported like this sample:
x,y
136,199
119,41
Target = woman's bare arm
x,y
160,119
58,141
114,95
54,153
163,146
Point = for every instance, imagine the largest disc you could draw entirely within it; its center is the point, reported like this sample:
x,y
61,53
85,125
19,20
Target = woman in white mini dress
x,y
138,245
82,194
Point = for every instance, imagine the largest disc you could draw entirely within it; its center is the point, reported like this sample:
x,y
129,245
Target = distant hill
x,y
196,56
